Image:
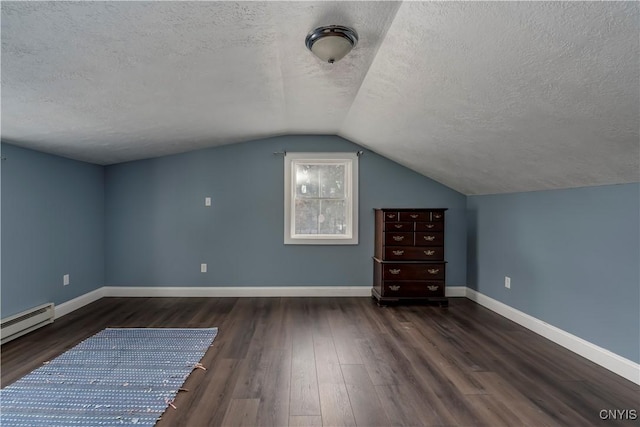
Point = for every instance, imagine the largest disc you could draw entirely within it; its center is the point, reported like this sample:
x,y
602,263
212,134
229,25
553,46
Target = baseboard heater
x,y
25,322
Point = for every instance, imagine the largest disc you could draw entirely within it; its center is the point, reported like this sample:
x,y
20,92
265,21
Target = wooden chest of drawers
x,y
408,260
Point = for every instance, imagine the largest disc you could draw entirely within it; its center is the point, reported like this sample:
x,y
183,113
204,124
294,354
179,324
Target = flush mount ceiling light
x,y
332,42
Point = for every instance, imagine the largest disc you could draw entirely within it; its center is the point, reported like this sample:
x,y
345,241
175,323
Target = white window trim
x,y
351,238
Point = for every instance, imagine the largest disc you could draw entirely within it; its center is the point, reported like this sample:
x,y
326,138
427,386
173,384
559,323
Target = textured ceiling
x,y
485,97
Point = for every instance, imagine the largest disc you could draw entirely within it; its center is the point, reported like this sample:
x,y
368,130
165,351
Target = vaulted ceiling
x,y
485,97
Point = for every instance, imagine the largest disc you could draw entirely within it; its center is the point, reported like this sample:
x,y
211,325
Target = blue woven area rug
x,y
119,376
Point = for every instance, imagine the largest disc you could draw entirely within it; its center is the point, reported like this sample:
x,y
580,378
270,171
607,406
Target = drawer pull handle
x,y
414,216
398,252
394,270
429,253
398,238
437,216
430,225
433,270
394,287
429,238
432,288
391,215
398,225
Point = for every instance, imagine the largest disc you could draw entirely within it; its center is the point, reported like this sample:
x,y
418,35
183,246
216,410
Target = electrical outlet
x,y
207,201
65,280
507,282
203,268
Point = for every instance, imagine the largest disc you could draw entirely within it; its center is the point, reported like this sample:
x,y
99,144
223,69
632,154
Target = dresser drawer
x,y
413,271
414,253
429,226
390,216
413,289
398,239
398,226
428,238
437,216
414,216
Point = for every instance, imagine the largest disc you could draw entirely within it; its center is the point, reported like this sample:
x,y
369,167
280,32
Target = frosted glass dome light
x,y
331,43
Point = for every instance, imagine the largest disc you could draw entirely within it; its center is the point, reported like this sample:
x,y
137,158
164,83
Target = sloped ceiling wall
x,y
485,97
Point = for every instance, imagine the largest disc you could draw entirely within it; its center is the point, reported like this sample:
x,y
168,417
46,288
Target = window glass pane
x,y
306,181
331,179
307,212
332,218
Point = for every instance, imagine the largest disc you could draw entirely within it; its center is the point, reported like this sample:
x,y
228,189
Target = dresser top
x,y
410,209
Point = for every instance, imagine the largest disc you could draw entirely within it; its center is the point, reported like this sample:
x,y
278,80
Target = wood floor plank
x,y
366,406
279,361
327,363
392,371
276,391
265,374
449,401
343,331
254,370
241,325
305,421
380,364
241,413
499,386
275,378
441,355
335,405
493,412
404,408
304,393
334,398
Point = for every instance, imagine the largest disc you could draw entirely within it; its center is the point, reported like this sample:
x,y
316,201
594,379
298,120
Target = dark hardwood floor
x,y
346,361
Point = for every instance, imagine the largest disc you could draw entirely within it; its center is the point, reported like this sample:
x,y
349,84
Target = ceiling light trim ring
x,y
341,31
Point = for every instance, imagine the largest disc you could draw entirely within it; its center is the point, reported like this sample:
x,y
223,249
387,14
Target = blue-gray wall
x,y
159,231
572,255
52,224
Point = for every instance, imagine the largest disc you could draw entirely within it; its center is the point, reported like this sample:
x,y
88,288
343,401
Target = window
x,y
321,198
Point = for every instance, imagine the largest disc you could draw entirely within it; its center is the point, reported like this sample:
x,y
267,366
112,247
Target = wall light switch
x,y
203,268
65,280
207,201
507,282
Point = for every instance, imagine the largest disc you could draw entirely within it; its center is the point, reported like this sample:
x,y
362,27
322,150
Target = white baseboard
x,y
79,302
455,291
601,356
238,291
